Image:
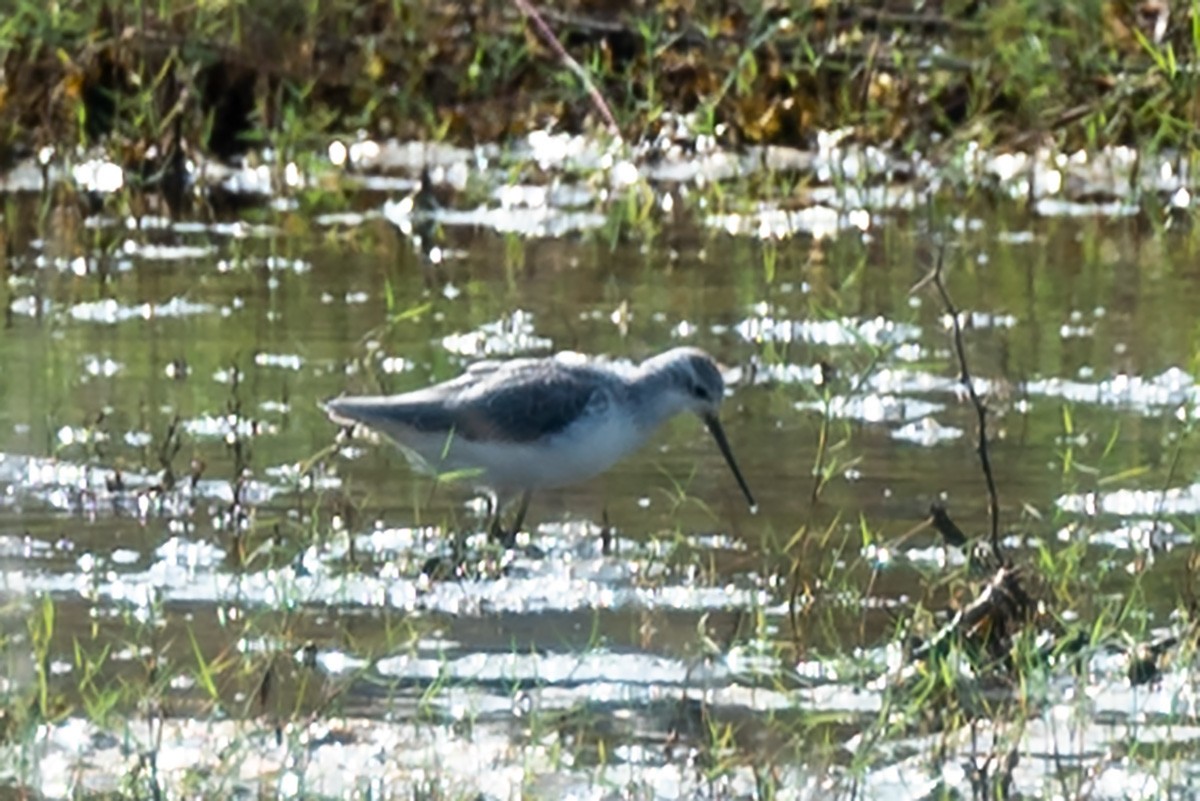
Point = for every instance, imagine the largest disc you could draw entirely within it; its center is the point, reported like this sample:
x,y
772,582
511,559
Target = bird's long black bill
x,y
714,427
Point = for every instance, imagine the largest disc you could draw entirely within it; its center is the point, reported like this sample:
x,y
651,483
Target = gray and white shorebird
x,y
527,424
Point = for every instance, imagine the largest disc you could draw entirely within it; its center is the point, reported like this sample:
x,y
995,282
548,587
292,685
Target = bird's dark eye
x,y
701,392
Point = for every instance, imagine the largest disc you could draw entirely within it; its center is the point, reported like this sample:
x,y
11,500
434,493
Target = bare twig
x,y
550,39
964,376
989,622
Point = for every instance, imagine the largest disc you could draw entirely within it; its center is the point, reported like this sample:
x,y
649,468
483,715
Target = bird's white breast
x,y
582,450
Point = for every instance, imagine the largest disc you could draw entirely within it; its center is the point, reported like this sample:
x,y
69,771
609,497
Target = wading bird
x,y
527,424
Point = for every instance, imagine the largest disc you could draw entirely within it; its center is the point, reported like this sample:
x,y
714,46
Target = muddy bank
x,y
219,79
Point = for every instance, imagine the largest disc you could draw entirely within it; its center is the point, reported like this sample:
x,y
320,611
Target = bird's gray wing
x,y
523,402
516,401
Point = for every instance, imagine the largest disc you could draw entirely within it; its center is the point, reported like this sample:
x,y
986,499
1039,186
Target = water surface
x,y
169,489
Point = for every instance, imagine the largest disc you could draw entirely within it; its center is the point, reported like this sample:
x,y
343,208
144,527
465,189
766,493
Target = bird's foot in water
x,y
509,538
487,563
492,560
482,560
506,536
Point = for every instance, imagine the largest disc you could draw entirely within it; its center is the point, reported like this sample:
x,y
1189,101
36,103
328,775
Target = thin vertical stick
x,y
550,39
964,376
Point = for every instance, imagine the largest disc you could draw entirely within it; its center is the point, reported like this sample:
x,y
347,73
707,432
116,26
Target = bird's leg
x,y
507,536
496,532
521,510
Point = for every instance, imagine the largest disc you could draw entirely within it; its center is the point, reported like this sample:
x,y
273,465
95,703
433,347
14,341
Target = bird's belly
x,y
587,450
576,454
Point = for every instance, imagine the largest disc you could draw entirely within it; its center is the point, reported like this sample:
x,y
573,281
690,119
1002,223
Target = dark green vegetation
x,y
221,77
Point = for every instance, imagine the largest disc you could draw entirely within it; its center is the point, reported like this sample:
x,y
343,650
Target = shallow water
x,y
259,615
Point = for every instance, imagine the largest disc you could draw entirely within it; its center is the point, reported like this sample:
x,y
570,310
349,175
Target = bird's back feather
x,y
520,401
